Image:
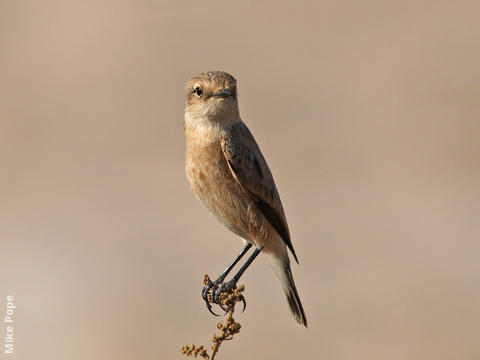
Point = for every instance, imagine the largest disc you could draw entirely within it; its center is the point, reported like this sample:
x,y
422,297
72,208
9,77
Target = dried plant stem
x,y
227,330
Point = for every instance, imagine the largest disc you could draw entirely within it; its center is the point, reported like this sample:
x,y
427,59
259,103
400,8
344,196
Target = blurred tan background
x,y
367,112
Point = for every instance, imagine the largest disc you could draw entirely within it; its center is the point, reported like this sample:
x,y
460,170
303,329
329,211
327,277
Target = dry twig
x,y
227,330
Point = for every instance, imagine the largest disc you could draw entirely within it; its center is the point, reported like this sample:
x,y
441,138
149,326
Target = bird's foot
x,y
227,294
208,291
223,294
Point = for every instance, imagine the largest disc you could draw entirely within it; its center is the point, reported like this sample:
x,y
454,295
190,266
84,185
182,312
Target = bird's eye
x,y
198,91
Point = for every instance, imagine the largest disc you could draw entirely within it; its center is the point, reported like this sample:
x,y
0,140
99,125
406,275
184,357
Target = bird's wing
x,y
250,170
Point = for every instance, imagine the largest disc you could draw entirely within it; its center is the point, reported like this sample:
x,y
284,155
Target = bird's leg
x,y
214,285
232,284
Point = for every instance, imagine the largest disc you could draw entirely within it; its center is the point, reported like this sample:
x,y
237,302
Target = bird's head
x,y
212,96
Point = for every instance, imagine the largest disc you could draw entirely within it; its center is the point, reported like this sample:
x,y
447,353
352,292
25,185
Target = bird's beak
x,y
223,93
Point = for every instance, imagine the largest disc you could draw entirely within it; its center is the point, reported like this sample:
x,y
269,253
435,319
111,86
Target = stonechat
x,y
228,173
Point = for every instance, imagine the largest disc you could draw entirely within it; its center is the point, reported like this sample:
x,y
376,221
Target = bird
x,y
229,175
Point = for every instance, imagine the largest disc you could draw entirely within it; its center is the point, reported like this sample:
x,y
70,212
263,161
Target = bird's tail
x,y
284,275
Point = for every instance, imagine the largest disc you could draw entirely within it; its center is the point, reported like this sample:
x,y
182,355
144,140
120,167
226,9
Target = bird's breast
x,y
214,185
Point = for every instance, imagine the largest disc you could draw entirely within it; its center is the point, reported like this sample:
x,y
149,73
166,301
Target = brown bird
x,y
228,173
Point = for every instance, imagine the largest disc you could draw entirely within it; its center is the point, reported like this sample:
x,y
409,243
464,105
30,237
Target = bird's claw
x,y
207,292
244,303
212,292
